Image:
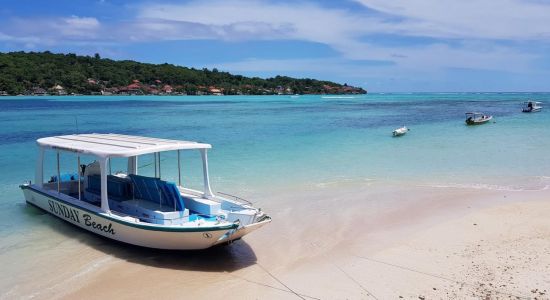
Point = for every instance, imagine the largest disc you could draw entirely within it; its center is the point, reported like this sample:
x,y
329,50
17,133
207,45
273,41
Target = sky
x,y
380,45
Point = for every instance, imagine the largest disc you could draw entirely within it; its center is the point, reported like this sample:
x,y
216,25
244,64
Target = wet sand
x,y
336,241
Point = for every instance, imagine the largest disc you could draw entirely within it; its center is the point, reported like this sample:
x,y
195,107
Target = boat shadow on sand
x,y
228,257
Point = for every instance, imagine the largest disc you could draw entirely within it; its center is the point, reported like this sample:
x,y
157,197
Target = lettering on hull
x,y
72,214
98,226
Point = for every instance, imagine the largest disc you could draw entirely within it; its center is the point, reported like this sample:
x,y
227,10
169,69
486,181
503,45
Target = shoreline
x,y
329,232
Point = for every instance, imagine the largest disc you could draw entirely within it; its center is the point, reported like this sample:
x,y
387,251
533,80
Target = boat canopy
x,y
116,145
106,146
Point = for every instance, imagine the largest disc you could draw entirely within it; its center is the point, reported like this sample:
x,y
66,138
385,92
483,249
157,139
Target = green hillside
x,y
46,72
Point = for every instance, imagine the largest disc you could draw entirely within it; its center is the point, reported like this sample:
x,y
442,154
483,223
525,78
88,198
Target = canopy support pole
x,y
104,197
207,191
132,165
179,169
158,157
155,160
39,174
58,175
78,171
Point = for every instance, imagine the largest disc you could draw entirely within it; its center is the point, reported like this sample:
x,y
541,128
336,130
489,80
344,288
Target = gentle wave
x,y
485,186
338,97
343,181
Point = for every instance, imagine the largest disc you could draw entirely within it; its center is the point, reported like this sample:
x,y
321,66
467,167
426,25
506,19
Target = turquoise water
x,y
272,142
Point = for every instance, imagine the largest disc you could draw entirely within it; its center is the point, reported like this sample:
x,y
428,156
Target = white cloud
x,y
82,23
77,26
265,20
486,19
343,30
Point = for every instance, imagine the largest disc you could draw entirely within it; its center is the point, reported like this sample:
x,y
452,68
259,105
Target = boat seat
x,y
65,177
150,212
171,191
156,191
118,188
203,206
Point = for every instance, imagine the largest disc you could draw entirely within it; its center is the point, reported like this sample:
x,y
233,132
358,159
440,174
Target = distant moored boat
x,y
532,106
476,118
400,131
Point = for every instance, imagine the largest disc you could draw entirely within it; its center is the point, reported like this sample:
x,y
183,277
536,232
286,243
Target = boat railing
x,y
236,198
201,194
193,192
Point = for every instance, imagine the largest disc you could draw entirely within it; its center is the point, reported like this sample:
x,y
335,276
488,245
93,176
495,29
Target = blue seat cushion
x,y
171,191
157,191
94,183
146,188
116,187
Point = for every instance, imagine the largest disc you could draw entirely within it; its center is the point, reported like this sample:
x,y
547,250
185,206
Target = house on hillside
x,y
215,91
134,88
201,90
38,91
109,91
167,89
58,90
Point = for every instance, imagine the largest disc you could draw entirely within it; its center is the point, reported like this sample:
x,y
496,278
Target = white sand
x,y
333,242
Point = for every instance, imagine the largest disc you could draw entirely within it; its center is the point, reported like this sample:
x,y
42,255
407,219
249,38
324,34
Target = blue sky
x,y
383,46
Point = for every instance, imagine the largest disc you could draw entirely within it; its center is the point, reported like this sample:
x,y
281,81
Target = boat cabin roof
x,y
474,113
536,102
115,145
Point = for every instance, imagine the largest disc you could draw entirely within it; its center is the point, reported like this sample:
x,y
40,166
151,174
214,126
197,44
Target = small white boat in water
x,y
132,208
476,118
400,131
532,106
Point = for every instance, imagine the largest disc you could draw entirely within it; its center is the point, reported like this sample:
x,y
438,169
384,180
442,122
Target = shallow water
x,y
267,143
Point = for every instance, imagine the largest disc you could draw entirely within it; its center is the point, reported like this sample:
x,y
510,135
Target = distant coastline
x,y
46,73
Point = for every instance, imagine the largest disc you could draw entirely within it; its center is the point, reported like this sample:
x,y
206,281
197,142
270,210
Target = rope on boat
x,y
146,165
279,281
437,276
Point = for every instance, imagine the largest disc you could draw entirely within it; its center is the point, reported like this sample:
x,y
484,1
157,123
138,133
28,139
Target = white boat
x,y
476,118
128,207
400,131
532,106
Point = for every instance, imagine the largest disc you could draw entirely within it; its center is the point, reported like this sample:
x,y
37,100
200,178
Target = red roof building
x,y
134,86
167,89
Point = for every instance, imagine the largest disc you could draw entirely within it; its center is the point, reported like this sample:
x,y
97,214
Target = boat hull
x,y
131,232
478,122
244,230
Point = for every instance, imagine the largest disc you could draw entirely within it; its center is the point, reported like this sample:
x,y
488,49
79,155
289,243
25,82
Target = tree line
x,y
21,72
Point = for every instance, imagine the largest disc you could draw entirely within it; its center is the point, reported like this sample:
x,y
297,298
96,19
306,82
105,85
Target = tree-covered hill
x,y
46,72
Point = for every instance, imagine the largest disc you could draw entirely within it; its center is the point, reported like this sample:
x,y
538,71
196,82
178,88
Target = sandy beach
x,y
333,241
